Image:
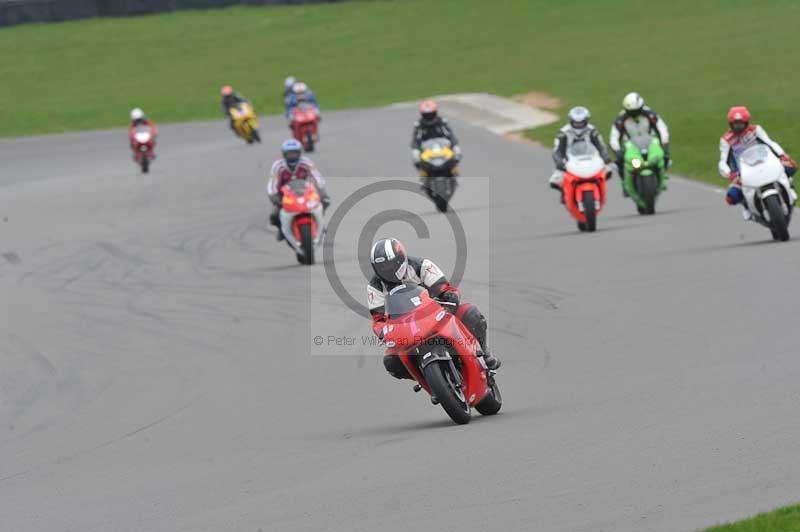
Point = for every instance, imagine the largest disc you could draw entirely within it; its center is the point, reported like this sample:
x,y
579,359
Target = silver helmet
x,y
579,119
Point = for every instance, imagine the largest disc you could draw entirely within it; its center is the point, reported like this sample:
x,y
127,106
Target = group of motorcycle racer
x,y
636,120
391,264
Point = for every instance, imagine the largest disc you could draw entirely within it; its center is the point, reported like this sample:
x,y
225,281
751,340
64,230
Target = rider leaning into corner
x,y
636,120
578,129
293,165
742,135
393,267
230,98
430,126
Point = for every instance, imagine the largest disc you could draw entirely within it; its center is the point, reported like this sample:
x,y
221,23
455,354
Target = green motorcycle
x,y
644,174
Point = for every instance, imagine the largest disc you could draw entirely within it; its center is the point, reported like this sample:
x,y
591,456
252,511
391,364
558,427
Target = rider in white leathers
x,y
741,136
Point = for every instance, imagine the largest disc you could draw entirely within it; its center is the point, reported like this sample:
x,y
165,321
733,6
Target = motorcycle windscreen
x,y
759,167
404,299
436,144
297,187
142,133
583,160
755,155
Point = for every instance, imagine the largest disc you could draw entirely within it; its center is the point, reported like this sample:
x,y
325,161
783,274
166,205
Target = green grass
x,y
781,520
691,59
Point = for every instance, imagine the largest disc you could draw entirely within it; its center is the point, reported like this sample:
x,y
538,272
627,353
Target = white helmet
x,y
299,87
289,82
579,118
633,101
137,114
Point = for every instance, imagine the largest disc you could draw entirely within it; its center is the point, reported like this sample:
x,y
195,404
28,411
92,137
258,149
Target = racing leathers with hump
x,y
392,268
293,165
741,136
637,121
578,129
430,126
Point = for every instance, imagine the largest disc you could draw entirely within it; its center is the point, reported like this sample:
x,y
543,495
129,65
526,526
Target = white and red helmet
x,y
738,118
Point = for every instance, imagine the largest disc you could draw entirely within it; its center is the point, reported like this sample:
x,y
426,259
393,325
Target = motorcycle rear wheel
x,y
777,220
448,394
491,404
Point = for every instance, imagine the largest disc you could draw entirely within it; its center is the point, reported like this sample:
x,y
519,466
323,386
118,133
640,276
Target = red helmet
x,y
741,115
428,110
226,90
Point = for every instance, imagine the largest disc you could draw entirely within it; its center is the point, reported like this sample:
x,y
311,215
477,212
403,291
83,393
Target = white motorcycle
x,y
767,190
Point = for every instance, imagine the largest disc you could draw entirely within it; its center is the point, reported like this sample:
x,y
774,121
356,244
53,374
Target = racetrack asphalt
x,y
157,371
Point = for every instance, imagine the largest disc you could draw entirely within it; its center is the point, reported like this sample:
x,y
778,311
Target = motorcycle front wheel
x,y
450,395
589,211
307,243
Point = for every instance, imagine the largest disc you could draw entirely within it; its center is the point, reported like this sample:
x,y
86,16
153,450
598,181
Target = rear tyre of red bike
x,y
443,386
491,404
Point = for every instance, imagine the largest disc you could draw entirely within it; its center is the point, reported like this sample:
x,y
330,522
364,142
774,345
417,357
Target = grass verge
x,y
691,60
785,519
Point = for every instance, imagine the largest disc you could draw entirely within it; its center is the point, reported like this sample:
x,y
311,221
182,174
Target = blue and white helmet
x,y
288,83
292,150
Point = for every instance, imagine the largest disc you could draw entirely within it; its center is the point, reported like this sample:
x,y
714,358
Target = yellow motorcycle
x,y
245,122
439,167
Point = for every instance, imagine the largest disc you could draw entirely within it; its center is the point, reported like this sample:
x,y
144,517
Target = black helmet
x,y
389,260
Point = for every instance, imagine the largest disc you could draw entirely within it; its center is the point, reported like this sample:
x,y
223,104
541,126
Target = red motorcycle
x,y
301,218
143,142
304,125
584,185
440,353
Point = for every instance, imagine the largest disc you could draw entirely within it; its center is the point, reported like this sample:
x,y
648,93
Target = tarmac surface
x,y
158,374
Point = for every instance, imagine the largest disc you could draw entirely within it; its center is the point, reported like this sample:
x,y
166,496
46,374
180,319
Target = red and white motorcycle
x,y
301,218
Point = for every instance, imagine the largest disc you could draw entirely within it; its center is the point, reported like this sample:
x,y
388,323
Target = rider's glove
x,y
415,153
276,199
610,168
787,161
457,152
734,178
326,202
450,296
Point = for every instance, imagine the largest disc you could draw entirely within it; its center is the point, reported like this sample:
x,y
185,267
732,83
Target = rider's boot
x,y
273,220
